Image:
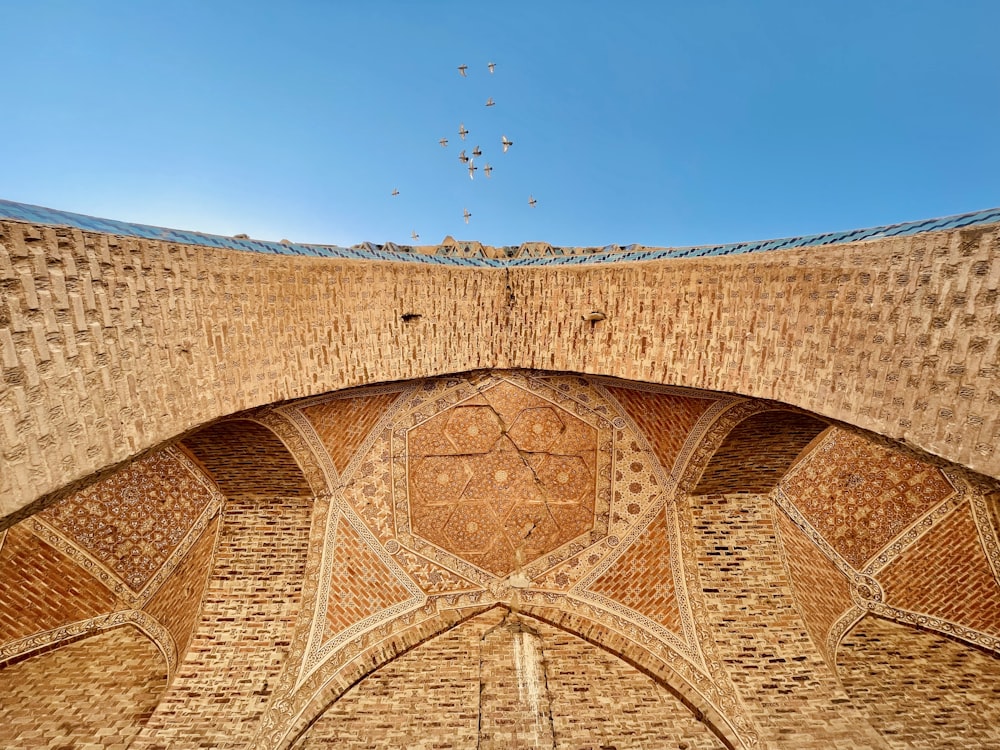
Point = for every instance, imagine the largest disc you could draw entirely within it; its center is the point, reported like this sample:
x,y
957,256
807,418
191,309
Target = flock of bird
x,y
469,159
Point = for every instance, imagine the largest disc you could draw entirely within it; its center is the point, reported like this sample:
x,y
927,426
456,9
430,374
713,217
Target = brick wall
x,y
921,691
463,690
42,589
242,638
790,691
110,346
92,693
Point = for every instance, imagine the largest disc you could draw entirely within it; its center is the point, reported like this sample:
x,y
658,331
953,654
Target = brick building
x,y
267,495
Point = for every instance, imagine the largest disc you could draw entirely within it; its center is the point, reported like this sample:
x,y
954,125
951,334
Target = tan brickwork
x,y
111,346
177,603
664,419
247,459
42,589
463,690
643,579
791,692
822,592
920,690
250,605
343,423
756,454
945,573
91,693
360,584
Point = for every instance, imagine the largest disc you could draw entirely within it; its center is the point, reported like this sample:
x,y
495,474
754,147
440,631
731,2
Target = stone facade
x,y
297,517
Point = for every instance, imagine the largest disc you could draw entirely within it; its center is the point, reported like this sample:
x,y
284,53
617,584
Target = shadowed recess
x,y
758,452
246,459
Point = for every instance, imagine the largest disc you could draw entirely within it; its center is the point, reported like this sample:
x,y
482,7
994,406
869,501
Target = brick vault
x,y
264,495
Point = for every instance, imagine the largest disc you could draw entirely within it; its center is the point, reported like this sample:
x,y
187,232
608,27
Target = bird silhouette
x,y
472,170
443,142
492,66
462,68
395,192
490,102
415,236
462,157
531,201
477,151
487,170
507,143
462,132
466,214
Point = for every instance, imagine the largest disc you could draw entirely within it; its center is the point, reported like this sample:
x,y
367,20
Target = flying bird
x,y
462,132
506,143
472,170
463,158
487,170
462,68
531,201
395,192
415,236
466,214
443,142
492,66
477,151
490,102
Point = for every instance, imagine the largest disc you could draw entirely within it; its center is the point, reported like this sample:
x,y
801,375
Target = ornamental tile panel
x,y
860,495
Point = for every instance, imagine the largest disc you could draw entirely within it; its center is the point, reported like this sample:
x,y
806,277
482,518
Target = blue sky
x,y
663,124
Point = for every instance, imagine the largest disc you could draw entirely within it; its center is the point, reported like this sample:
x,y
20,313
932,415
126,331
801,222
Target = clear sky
x,y
660,123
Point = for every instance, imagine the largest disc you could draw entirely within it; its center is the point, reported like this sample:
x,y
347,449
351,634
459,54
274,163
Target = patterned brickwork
x,y
343,423
242,638
643,579
945,573
134,520
920,690
360,583
600,701
758,452
41,589
822,593
111,346
92,693
791,693
420,700
247,459
860,495
443,692
177,603
664,419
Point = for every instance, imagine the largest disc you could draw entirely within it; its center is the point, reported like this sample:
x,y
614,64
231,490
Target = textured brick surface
x,y
344,423
920,690
360,583
223,683
665,419
946,574
246,458
113,345
92,693
41,589
643,579
860,495
792,694
177,602
822,593
758,452
464,689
